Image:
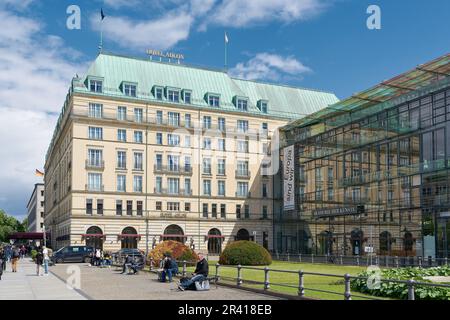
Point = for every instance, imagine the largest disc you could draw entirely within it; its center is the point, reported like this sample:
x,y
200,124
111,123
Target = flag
x,y
102,14
226,38
39,173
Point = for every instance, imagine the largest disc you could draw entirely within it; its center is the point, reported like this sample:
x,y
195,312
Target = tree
x,y
8,225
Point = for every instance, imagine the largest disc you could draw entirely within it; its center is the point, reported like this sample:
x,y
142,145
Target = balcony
x,y
95,165
94,188
242,174
181,192
243,195
186,170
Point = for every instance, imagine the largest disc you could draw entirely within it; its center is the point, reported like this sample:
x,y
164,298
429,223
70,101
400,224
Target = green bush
x,y
245,253
177,250
400,290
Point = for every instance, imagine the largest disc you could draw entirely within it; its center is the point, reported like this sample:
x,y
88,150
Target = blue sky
x,y
321,44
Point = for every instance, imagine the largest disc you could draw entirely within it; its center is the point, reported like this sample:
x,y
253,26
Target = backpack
x,y
202,285
15,254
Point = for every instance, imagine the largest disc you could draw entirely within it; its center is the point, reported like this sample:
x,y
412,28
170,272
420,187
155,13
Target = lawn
x,y
311,282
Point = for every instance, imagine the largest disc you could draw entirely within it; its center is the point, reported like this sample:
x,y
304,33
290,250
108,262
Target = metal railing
x,y
365,260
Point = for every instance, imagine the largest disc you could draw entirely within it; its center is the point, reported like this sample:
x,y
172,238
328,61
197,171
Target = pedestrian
x,y
15,258
200,273
46,260
39,259
170,268
98,256
2,261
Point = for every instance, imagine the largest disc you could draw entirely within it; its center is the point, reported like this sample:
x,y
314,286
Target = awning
x,y
173,236
129,235
27,235
214,236
93,235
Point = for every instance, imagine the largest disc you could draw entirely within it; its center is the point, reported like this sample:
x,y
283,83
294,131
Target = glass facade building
x,y
372,171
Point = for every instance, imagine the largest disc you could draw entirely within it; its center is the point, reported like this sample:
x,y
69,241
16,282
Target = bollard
x,y
377,260
446,261
239,276
387,261
411,290
301,287
312,258
347,293
266,278
299,257
217,270
357,260
396,262
184,268
288,256
151,264
420,261
278,256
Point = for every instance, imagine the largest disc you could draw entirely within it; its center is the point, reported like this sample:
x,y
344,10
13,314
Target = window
x,y
174,119
242,125
95,110
138,137
139,208
221,144
88,206
207,143
187,121
221,188
95,133
264,128
238,211
207,187
187,186
129,207
96,86
122,113
242,189
213,100
100,206
173,139
121,183
264,190
206,122
174,163
242,104
263,106
129,90
187,96
138,161
246,211
174,185
95,182
187,141
187,206
221,122
330,194
95,158
159,138
158,93
187,164
242,146
214,210
173,206
221,167
121,160
122,135
173,95
158,205
119,207
222,210
158,185
159,162
206,165
159,117
264,212
205,210
137,183
138,115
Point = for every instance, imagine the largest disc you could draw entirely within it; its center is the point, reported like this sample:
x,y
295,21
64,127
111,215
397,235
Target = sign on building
x,y
288,179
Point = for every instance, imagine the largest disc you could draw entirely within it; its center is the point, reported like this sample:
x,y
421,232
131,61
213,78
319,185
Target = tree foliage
x,y
8,225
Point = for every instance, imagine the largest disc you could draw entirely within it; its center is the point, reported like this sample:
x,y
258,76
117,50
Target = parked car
x,y
73,254
119,256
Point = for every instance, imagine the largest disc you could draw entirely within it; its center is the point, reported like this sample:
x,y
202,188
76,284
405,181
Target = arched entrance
x,y
408,243
326,242
356,238
129,238
96,238
172,231
214,241
385,242
243,234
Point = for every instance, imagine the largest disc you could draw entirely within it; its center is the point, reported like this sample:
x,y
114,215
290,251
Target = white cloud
x,y
116,4
267,66
161,33
35,76
238,13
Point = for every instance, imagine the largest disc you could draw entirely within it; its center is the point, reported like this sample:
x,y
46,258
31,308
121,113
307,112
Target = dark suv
x,y
119,256
73,254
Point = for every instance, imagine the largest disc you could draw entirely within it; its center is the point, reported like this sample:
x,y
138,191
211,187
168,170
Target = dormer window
x,y
158,92
213,100
173,95
129,89
263,105
242,104
96,86
187,94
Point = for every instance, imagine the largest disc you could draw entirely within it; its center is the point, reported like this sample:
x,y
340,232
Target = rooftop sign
x,y
165,54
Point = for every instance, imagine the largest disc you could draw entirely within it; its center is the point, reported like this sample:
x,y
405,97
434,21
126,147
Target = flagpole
x,y
226,44
101,36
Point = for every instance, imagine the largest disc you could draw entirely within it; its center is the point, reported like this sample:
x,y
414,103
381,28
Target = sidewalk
x,y
25,285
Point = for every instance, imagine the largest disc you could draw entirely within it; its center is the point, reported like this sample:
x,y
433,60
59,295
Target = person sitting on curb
x,y
170,268
200,274
127,264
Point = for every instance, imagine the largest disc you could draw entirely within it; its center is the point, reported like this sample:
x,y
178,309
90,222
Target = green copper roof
x,y
283,101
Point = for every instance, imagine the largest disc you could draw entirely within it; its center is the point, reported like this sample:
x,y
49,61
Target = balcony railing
x,y
243,195
180,192
95,165
94,188
184,170
242,174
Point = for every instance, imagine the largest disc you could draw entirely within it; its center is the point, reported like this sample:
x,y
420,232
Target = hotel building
x,y
145,151
35,209
371,171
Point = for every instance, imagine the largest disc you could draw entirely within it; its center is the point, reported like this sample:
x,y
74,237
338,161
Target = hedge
x,y
177,250
245,253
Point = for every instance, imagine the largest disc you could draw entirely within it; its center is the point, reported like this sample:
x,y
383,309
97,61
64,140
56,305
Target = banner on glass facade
x,y
342,211
288,179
